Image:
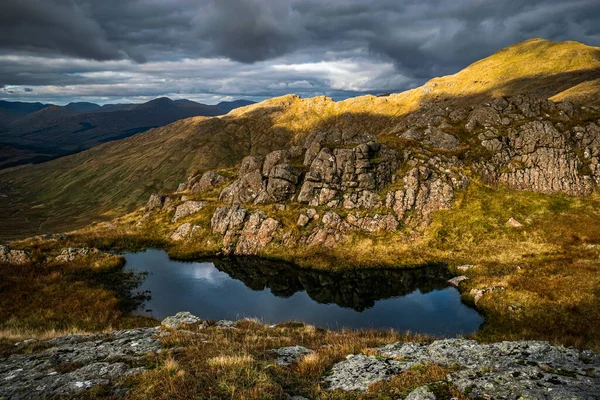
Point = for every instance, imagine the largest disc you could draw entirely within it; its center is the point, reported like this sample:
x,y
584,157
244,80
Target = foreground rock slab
x,y
73,364
289,355
504,370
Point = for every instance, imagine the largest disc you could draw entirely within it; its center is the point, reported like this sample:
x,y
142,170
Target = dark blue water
x,y
417,300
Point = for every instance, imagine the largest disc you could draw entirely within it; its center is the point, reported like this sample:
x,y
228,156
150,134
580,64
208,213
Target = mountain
x,y
454,116
42,132
82,107
11,111
228,106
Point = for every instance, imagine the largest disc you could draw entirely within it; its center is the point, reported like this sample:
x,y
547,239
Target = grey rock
x,y
504,370
156,201
72,253
91,360
411,134
257,233
439,139
457,280
421,393
187,208
359,371
180,319
289,355
15,257
182,232
303,220
244,190
207,181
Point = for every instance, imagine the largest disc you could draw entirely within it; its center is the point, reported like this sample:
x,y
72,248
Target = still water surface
x,y
418,300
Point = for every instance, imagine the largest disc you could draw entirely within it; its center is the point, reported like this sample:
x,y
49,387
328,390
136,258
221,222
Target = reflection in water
x,y
358,289
229,288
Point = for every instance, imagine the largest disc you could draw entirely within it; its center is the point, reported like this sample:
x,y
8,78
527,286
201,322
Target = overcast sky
x,y
211,50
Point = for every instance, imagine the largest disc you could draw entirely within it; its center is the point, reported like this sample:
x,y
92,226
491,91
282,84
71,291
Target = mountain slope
x,y
116,177
55,131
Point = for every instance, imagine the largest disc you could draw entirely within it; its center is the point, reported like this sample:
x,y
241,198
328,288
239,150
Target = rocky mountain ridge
x,y
349,183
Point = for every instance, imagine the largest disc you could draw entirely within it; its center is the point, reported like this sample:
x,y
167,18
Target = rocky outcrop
x,y
349,177
71,365
505,370
425,191
257,233
243,233
73,253
263,180
15,257
187,208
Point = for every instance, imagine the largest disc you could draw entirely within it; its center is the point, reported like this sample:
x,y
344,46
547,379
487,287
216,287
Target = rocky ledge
x,y
504,370
70,365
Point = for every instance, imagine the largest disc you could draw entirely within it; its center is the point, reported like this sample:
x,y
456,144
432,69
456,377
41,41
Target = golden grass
x,y
236,364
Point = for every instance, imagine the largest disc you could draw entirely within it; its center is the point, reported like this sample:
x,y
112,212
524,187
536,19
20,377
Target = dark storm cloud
x,y
340,47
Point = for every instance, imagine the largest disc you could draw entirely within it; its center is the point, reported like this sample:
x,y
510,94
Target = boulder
x,y
99,360
187,208
227,218
457,280
156,201
289,355
182,232
15,257
245,190
209,180
180,320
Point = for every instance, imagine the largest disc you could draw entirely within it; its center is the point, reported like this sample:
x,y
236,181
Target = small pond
x,y
417,300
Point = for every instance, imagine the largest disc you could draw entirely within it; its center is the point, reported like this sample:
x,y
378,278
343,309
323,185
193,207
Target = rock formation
x,y
16,257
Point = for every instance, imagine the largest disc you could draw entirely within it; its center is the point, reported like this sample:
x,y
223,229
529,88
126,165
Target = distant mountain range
x,y
36,132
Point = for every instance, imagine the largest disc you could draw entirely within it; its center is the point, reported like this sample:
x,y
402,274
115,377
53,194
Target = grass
x,y
236,364
45,299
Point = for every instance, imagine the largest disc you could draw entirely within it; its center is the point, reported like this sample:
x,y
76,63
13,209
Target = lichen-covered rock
x,y
227,219
91,360
341,175
289,355
246,189
425,192
15,257
187,208
72,253
182,232
421,393
258,231
359,371
181,319
439,139
504,370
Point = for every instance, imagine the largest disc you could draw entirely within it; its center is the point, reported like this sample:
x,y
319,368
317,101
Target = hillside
x,y
117,177
54,131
